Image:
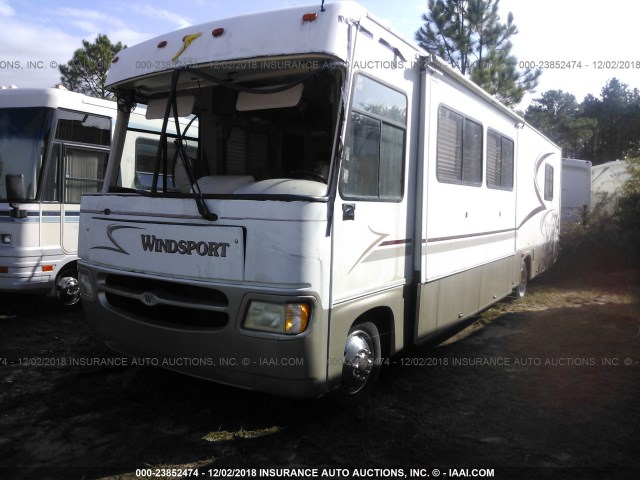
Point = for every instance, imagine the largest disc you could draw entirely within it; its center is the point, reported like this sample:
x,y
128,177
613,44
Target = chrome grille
x,y
164,302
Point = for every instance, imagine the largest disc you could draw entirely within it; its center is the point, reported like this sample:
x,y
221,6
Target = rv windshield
x,y
23,139
273,136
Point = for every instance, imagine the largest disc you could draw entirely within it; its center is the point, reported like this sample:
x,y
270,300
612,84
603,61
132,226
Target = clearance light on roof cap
x,y
162,44
309,17
216,32
115,59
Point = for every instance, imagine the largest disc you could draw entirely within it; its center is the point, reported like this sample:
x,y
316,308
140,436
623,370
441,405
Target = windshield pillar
x,y
117,148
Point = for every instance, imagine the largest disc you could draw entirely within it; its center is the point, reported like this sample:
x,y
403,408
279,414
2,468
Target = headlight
x,y
290,318
6,239
84,279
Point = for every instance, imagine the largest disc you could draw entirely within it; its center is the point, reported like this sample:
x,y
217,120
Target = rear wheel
x,y
67,288
361,365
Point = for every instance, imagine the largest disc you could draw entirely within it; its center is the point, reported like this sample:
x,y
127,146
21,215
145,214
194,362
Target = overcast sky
x,y
37,35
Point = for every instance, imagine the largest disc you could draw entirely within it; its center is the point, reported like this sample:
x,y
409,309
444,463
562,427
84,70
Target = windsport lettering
x,y
183,247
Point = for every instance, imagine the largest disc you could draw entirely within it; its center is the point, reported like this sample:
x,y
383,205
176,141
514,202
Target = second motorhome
x,y
54,146
348,196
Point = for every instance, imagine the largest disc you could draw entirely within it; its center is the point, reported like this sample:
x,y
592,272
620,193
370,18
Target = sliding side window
x,y
459,149
373,165
499,161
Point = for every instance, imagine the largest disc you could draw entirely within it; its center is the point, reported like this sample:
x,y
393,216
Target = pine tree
x,y
469,35
86,72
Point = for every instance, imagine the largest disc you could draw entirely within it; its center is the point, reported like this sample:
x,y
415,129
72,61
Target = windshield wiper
x,y
161,156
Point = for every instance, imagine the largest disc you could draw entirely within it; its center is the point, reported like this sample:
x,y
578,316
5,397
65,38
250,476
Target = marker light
x,y
217,32
115,59
309,17
4,269
48,268
162,44
297,318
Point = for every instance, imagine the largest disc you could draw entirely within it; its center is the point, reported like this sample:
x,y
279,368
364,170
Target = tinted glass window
x,y
373,165
83,128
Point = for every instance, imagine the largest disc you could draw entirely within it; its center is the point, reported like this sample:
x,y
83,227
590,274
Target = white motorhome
x,y
350,196
54,146
576,191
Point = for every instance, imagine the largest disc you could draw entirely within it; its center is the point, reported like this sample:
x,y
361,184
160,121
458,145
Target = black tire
x,y
521,289
361,367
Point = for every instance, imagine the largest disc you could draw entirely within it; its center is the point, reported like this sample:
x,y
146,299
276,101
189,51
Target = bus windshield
x,y
23,139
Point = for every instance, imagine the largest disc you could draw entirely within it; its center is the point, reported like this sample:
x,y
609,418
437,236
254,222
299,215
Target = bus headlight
x,y
290,318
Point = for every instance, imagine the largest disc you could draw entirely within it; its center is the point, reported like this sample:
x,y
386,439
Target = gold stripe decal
x,y
187,41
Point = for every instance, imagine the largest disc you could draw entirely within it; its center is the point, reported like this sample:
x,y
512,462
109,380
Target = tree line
x,y
596,129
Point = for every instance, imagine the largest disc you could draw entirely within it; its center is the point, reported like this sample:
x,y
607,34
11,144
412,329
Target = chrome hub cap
x,y
68,290
358,362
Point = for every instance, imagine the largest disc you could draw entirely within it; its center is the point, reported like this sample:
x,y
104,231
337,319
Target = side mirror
x,y
15,194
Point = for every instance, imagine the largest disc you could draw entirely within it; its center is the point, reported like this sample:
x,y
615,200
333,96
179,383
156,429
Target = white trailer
x,y
354,196
607,180
576,191
54,146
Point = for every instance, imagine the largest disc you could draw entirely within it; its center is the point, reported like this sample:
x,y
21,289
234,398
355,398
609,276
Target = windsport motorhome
x,y
54,146
350,196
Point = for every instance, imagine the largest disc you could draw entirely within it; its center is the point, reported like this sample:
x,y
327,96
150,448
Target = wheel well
x,y
382,318
527,261
73,265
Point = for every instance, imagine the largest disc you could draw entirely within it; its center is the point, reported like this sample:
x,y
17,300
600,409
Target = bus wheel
x,y
521,289
68,287
361,365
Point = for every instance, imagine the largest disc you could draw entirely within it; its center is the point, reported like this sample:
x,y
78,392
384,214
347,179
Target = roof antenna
x,y
322,6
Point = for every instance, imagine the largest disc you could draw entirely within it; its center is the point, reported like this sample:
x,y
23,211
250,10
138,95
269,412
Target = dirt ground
x,y
547,387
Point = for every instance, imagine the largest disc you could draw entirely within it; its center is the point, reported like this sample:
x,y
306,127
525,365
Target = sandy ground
x,y
548,387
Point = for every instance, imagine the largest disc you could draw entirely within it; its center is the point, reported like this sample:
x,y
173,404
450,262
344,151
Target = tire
x,y
361,367
67,287
521,290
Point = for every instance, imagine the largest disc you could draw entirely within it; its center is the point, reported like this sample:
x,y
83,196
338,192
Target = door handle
x,y
348,211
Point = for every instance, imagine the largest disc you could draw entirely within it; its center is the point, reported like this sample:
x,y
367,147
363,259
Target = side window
x,y
548,182
499,161
83,128
84,172
459,149
373,166
145,158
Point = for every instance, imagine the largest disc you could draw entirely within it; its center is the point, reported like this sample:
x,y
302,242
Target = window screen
x,y
459,148
84,172
499,161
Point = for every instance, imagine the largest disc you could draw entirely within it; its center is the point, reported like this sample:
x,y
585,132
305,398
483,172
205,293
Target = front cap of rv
x,y
300,30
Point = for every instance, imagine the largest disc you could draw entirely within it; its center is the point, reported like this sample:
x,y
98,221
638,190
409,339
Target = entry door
x,y
83,172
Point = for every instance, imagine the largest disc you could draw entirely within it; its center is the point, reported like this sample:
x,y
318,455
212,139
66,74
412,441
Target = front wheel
x,y
361,367
67,288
